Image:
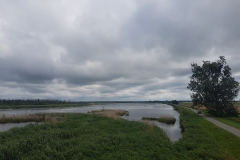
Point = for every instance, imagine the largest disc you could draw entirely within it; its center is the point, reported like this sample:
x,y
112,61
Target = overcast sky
x,y
112,49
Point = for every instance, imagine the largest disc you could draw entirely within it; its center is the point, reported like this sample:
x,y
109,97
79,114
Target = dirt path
x,y
220,124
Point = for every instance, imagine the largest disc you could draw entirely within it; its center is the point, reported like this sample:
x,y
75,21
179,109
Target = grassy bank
x,y
92,136
229,142
231,121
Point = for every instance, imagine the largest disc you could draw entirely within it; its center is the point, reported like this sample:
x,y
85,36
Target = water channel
x,y
136,112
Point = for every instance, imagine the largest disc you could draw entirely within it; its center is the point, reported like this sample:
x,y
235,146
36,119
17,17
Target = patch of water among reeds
x,y
136,112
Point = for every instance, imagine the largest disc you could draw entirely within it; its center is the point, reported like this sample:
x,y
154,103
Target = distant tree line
x,y
167,102
31,101
175,102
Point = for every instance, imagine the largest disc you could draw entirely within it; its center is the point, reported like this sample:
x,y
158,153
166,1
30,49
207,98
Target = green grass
x,y
84,136
168,120
233,122
150,118
226,140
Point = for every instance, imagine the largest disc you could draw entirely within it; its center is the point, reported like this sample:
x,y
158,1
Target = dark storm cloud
x,y
126,50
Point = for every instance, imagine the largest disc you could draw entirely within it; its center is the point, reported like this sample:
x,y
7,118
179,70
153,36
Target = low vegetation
x,y
190,105
168,120
111,113
32,118
149,118
231,121
238,106
93,136
191,121
123,113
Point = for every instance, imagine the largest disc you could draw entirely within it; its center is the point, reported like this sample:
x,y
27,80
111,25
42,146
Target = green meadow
x,y
90,136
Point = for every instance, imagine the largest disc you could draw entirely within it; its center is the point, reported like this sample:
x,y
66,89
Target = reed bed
x,y
32,118
111,113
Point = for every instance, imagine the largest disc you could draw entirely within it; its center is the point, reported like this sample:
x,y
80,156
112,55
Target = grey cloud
x,y
185,28
127,50
177,84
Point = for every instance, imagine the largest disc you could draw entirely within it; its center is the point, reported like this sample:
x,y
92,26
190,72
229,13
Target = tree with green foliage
x,y
175,102
214,87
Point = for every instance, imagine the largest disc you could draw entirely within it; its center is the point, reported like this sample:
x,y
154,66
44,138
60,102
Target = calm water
x,y
136,112
7,126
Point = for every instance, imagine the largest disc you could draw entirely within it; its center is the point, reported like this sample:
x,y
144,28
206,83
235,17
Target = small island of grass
x,y
168,120
111,113
51,118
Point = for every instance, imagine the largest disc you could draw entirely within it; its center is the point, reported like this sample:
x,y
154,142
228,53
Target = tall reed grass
x,y
32,118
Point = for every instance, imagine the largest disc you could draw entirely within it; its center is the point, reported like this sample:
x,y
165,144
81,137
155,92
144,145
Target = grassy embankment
x,y
92,136
231,121
30,106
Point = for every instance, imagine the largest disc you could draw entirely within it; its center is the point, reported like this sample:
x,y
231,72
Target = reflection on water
x,y
158,110
7,126
136,112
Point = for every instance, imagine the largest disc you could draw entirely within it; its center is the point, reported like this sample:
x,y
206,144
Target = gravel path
x,y
220,124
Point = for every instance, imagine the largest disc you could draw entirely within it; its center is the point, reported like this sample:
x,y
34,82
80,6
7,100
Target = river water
x,y
136,112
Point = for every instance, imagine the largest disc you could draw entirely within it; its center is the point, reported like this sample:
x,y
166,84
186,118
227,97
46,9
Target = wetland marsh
x,y
136,112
